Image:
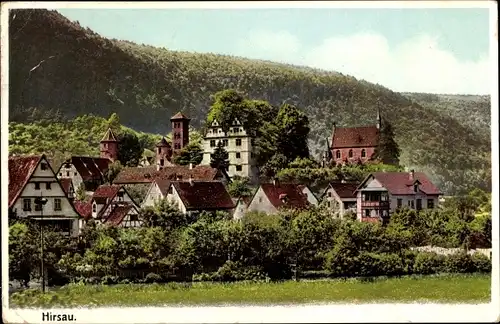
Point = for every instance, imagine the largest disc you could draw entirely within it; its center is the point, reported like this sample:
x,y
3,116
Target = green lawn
x,y
446,288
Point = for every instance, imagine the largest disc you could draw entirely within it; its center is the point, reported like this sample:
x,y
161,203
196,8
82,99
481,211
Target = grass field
x,y
442,289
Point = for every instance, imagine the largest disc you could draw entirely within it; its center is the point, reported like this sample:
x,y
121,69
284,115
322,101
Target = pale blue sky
x,y
397,48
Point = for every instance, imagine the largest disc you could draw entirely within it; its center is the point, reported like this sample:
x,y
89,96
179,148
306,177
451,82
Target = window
x,y
38,207
162,162
329,193
236,130
120,196
43,166
252,141
411,203
225,142
260,199
27,204
238,142
177,135
239,168
74,174
57,204
350,153
252,155
37,185
212,143
177,146
337,154
363,153
415,187
94,208
60,174
400,202
47,186
367,212
134,217
238,155
430,203
67,173
170,190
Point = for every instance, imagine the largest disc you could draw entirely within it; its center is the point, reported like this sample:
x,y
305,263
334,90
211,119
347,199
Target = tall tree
x,y
239,187
293,129
220,157
387,150
129,150
191,153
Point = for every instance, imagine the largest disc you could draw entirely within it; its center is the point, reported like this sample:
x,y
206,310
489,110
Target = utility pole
x,y
41,202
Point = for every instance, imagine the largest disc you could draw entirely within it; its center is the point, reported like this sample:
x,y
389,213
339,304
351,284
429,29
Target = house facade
x,y
112,205
241,207
239,146
32,178
311,197
341,197
271,197
382,193
354,144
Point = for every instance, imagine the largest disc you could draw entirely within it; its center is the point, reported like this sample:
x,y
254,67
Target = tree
x,y
275,164
113,122
112,171
191,153
228,105
239,187
129,150
80,192
22,253
220,157
293,130
165,215
387,150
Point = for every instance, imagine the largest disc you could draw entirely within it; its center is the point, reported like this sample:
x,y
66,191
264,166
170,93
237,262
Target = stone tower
x,y
163,154
109,146
180,131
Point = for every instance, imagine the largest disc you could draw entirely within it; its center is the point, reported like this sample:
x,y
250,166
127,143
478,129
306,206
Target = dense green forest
x,y
79,72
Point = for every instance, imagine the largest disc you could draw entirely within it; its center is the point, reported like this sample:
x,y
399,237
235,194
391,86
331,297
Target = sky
x,y
406,50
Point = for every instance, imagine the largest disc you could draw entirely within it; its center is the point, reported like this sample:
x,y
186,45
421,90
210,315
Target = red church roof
x,y
20,170
401,183
179,116
346,137
292,194
204,195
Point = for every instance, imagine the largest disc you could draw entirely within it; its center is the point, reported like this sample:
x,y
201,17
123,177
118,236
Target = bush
x,y
110,280
458,263
377,264
409,257
481,263
232,271
153,277
428,263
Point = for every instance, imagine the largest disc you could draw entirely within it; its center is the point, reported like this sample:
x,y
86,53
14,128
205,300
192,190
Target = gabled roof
x,y
21,169
66,184
203,195
148,174
106,191
118,213
84,208
109,136
163,143
401,183
89,168
163,185
345,137
179,116
344,189
291,192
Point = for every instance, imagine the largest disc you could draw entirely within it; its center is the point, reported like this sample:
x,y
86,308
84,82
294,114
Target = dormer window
x,y
43,166
415,187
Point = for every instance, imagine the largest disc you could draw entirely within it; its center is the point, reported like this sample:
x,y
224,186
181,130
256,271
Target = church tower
x,y
180,131
379,119
109,146
163,154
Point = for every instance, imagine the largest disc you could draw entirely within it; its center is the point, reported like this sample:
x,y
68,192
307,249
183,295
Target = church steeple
x,y
379,118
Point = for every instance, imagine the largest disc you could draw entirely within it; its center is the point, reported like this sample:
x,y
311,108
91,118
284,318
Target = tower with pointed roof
x,y
163,154
379,119
180,131
109,146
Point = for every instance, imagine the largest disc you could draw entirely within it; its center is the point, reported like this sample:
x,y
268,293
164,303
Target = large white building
x,y
239,146
32,178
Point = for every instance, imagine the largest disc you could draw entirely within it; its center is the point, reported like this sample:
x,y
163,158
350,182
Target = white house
x,y
112,205
341,197
32,177
85,170
311,197
382,193
270,197
239,146
241,208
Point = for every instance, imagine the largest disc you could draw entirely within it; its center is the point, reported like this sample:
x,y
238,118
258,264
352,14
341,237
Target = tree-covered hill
x,y
80,72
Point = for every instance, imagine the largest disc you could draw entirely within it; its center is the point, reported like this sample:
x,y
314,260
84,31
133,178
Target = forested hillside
x,y
80,72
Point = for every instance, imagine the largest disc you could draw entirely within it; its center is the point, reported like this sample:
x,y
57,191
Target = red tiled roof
x,y
163,143
204,195
106,191
293,193
84,208
109,136
118,213
400,183
344,137
20,170
179,116
90,168
345,190
65,184
148,174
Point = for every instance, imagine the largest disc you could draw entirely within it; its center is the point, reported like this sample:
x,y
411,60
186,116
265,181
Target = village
x,y
46,193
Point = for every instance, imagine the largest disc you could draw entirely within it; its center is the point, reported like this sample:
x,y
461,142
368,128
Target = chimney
x,y
191,180
412,175
190,166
